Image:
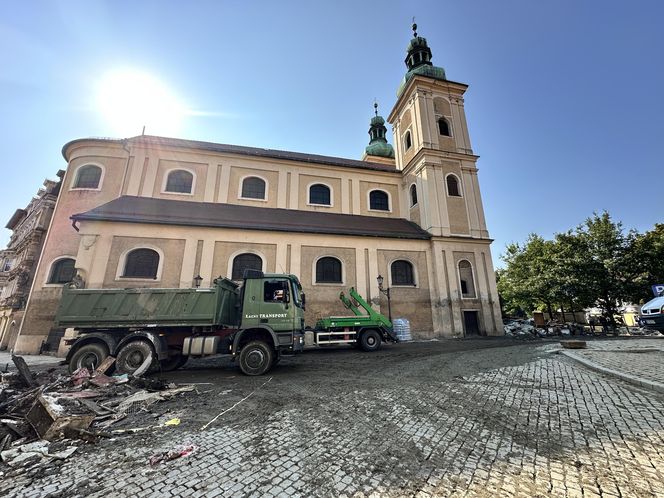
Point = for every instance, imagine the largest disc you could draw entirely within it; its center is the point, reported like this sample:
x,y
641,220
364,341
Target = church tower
x,y
441,187
378,150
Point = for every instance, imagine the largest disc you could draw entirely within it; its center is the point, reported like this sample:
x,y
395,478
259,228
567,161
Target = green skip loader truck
x,y
256,322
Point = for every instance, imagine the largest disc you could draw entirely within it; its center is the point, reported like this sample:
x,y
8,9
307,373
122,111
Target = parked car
x,y
652,314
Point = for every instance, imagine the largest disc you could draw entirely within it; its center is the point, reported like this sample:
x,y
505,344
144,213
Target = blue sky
x,y
565,105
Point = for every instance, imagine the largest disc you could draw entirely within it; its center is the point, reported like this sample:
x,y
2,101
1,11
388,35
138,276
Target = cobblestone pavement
x,y
31,360
529,423
640,358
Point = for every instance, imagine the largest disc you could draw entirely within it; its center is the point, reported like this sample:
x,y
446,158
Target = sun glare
x,y
129,100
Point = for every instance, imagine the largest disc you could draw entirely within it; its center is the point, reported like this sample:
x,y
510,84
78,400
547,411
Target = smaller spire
x,y
414,28
378,145
375,107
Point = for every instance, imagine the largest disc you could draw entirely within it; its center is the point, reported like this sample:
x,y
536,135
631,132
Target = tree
x,y
645,258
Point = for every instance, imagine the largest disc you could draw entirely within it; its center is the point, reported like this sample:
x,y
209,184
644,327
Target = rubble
x,y
47,409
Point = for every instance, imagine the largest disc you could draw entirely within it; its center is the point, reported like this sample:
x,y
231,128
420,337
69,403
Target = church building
x,y
150,211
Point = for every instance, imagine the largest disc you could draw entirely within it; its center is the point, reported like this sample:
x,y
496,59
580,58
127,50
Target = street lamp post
x,y
197,281
385,291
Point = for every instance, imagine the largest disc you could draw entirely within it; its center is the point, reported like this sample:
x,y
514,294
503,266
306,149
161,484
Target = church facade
x,y
161,212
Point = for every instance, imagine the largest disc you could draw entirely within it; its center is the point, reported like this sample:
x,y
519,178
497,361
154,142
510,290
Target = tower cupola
x,y
418,61
378,145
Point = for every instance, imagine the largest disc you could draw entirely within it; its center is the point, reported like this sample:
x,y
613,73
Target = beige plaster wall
x,y
335,197
173,250
411,302
391,189
323,299
271,188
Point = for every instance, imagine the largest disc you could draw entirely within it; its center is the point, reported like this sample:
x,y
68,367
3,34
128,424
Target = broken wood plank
x,y
105,365
24,371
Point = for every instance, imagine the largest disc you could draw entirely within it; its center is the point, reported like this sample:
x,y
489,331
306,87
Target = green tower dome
x,y
418,61
378,145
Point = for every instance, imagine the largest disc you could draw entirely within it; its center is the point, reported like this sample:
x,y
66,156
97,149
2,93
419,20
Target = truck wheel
x,y
132,356
370,340
88,356
256,358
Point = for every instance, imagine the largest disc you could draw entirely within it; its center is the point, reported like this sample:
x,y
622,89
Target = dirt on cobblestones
x,y
487,417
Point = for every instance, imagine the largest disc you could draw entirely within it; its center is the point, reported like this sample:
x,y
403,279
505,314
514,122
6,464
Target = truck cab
x,y
272,313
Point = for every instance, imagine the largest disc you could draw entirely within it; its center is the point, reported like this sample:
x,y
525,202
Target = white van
x,y
652,314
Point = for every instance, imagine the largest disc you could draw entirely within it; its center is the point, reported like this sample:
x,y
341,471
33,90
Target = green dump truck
x,y
256,322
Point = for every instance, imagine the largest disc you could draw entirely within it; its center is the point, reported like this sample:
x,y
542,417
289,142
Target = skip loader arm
x,y
349,304
370,311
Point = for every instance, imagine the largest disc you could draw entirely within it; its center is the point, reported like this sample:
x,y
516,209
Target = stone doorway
x,y
471,323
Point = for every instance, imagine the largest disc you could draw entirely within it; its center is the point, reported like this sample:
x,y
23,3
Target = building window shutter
x,y
179,181
453,186
141,263
88,177
328,271
246,261
402,273
319,194
253,188
63,271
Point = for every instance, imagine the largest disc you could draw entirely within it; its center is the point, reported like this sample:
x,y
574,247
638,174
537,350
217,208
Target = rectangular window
x,y
275,291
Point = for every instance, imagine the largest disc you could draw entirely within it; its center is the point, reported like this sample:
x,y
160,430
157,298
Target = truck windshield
x,y
297,293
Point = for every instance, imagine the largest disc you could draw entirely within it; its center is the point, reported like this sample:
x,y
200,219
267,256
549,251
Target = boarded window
x,y
62,272
253,188
141,263
413,195
319,194
444,127
453,186
88,177
466,278
379,200
402,273
179,181
328,270
246,261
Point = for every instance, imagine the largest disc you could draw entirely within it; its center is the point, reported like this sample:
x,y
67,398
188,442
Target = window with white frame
x,y
88,176
253,188
320,194
62,271
453,189
179,181
245,261
329,271
141,263
379,200
466,279
402,272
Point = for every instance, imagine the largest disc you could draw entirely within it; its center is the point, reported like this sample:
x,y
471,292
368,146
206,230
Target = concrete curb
x,y
632,379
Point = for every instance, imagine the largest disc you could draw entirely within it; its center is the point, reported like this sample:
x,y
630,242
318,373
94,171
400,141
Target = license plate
x,y
650,322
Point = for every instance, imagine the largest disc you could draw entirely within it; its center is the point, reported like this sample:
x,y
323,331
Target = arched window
x,y
402,273
88,176
141,263
453,186
444,127
328,271
62,271
379,200
245,261
253,188
319,194
413,195
408,142
179,181
466,279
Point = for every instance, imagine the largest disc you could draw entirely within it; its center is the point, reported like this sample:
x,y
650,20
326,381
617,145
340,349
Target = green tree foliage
x,y
597,263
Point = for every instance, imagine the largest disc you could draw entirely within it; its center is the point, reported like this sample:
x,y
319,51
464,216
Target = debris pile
x,y
526,329
42,416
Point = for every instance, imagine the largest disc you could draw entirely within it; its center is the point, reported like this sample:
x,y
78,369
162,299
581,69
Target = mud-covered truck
x,y
256,322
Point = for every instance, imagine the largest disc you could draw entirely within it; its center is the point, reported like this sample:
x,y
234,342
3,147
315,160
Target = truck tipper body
x,y
256,322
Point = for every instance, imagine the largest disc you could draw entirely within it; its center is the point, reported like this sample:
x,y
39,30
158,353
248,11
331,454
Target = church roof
x,y
151,210
242,150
